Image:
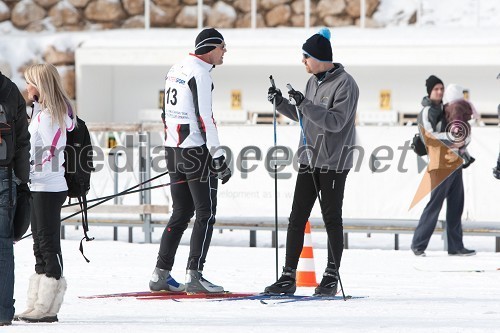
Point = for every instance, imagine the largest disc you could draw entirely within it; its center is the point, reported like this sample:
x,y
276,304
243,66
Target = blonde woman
x,y
49,122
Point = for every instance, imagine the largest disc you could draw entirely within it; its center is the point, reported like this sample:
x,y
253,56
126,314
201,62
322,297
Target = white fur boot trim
x,y
58,300
33,286
46,294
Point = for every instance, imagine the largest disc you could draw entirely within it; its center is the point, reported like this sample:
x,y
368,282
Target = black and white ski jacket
x,y
189,120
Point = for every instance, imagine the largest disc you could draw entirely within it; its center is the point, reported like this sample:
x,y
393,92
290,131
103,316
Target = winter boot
x,y
328,285
286,284
195,283
32,295
50,297
161,280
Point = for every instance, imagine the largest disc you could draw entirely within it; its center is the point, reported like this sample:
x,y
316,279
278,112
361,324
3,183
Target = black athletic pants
x,y
331,185
198,194
451,189
46,230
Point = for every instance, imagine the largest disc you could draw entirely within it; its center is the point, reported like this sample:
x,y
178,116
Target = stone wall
x,y
81,15
76,15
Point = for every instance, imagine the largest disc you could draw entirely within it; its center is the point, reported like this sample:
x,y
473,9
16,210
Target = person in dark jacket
x,y
14,172
445,170
327,113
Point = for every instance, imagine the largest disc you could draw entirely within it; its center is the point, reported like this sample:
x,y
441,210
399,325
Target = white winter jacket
x,y
189,121
47,152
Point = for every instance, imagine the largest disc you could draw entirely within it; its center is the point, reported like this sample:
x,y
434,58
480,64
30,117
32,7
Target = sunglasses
x,y
220,46
306,56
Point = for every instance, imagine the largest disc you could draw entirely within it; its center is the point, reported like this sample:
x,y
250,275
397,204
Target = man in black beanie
x,y
446,179
327,113
195,163
432,111
431,82
207,40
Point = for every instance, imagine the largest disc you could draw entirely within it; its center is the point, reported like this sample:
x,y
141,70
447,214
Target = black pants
x,y
451,189
331,186
46,230
198,194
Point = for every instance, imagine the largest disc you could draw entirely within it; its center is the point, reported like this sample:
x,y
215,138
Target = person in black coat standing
x,y
14,173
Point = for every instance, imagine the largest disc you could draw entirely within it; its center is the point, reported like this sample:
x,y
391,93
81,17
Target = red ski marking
x,y
145,295
195,296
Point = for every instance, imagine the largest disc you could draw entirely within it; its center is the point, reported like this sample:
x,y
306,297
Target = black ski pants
x,y
46,230
330,184
196,192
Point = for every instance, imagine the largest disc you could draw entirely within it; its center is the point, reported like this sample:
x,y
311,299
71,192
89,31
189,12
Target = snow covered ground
x,y
403,292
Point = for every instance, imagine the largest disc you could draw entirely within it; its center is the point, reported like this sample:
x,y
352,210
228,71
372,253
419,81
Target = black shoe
x,y
496,172
329,283
462,252
286,285
418,253
5,323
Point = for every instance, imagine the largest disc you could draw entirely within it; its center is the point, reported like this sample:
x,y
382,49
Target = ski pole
x,y
111,196
275,181
121,193
311,166
125,192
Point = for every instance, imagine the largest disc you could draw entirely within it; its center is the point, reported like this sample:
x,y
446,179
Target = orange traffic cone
x,y
306,274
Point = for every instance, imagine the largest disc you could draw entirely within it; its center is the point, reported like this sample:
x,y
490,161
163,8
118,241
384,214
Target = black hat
x,y
431,82
207,36
318,46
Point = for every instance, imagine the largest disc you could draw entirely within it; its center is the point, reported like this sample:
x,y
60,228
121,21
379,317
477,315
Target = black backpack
x,y
78,166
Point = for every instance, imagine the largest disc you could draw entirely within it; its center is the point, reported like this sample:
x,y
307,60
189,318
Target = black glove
x,y
295,97
274,94
24,188
221,169
22,215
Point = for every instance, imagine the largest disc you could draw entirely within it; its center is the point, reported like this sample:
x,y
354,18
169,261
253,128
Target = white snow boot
x,y
50,297
32,295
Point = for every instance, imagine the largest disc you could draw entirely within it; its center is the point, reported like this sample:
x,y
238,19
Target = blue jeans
x,y
7,208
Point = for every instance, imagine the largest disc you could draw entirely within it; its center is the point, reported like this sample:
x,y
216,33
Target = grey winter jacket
x,y
328,115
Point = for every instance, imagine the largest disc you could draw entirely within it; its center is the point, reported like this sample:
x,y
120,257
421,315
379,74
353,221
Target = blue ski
x,y
261,297
313,298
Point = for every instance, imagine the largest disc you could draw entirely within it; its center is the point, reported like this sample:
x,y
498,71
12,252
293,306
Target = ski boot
x,y
195,283
286,284
161,280
329,283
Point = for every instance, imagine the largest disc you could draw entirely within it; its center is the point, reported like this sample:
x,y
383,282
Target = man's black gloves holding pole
x,y
274,94
295,97
221,169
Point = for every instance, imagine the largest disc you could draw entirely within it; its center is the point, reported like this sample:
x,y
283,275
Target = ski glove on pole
x,y
274,94
295,97
221,169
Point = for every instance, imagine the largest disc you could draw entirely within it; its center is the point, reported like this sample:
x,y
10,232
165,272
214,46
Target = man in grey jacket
x,y
327,114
